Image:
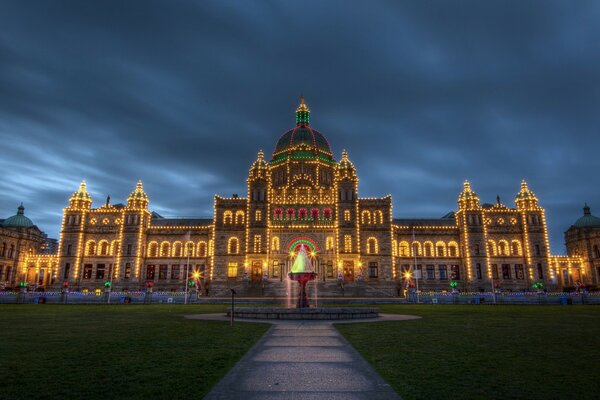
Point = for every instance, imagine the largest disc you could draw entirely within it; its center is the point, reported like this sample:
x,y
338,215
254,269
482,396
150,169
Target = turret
x,y
526,199
138,199
81,199
468,200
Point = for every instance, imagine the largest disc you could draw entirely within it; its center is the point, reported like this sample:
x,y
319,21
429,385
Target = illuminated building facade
x,y
303,195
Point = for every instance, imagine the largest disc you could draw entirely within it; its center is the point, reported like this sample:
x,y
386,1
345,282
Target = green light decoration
x,y
453,284
191,283
302,113
538,285
107,284
23,284
308,243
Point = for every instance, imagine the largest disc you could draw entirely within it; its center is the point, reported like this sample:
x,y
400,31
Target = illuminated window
x,y
302,214
239,217
91,248
127,273
177,249
365,217
233,245
165,249
440,248
232,270
314,213
491,247
347,243
503,248
275,272
257,243
327,213
257,215
201,250
103,247
453,249
515,248
329,243
278,213
98,292
428,249
346,215
227,217
372,246
403,249
189,249
275,243
378,217
290,213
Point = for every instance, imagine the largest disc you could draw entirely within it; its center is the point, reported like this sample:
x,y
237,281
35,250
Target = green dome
x,y
588,220
19,220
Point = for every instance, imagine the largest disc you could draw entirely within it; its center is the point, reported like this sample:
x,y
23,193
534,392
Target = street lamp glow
x,y
407,275
196,275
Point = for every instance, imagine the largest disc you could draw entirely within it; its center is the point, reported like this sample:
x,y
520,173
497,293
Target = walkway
x,y
302,360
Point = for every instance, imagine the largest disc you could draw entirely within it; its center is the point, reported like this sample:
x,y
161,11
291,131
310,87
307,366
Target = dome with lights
x,y
302,141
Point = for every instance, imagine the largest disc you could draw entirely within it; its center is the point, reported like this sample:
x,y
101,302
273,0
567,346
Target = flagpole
x,y
187,267
415,267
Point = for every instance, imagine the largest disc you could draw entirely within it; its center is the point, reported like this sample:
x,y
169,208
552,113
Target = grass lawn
x,y
125,352
485,352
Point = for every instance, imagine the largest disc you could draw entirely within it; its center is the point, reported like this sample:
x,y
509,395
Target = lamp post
x,y
196,275
233,293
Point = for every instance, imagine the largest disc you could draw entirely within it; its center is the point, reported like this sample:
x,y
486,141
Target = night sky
x,y
422,95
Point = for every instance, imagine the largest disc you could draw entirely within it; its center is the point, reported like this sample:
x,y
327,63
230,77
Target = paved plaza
x,y
302,360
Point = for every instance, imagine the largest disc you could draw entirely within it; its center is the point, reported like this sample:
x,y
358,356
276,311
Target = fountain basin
x,y
304,313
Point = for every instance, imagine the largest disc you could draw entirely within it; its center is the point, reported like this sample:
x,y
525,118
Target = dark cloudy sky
x,y
422,94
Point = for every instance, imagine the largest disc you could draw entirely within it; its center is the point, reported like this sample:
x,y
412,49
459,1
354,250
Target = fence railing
x,y
506,298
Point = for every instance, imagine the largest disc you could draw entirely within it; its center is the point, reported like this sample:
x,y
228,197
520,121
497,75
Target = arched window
x,y
189,249
428,249
115,245
165,249
327,213
90,248
365,217
314,213
440,249
492,247
227,217
403,249
372,246
177,249
416,249
152,249
453,249
239,217
278,213
233,245
346,215
329,243
103,247
274,243
290,213
515,247
201,249
378,217
302,214
502,248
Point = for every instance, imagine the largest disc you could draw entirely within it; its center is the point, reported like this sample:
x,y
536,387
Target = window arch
x,y
417,250
515,247
372,246
365,217
502,247
329,243
115,246
378,217
275,243
90,248
452,249
278,213
103,247
302,213
177,250
492,250
440,249
227,217
403,250
165,249
233,245
152,249
428,249
290,213
347,215
327,213
314,213
239,217
201,249
189,249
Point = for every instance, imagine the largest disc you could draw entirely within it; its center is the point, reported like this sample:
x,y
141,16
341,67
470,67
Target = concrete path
x,y
302,360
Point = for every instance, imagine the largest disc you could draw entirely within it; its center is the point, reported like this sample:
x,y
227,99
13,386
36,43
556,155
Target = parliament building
x,y
302,195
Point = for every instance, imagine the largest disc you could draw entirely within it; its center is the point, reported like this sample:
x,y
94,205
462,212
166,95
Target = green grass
x,y
485,352
125,352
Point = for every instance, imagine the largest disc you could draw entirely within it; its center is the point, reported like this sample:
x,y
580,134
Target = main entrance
x,y
348,271
256,273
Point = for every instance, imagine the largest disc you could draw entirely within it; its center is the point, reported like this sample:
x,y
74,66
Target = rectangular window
x,y
495,271
454,272
540,271
232,270
476,249
330,269
418,273
276,271
443,272
175,273
348,243
346,215
430,272
150,272
69,249
519,273
87,271
67,271
100,271
163,271
505,271
129,249
127,274
257,240
538,250
373,269
478,271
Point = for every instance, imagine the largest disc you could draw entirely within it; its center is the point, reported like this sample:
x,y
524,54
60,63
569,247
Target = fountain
x,y
302,272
